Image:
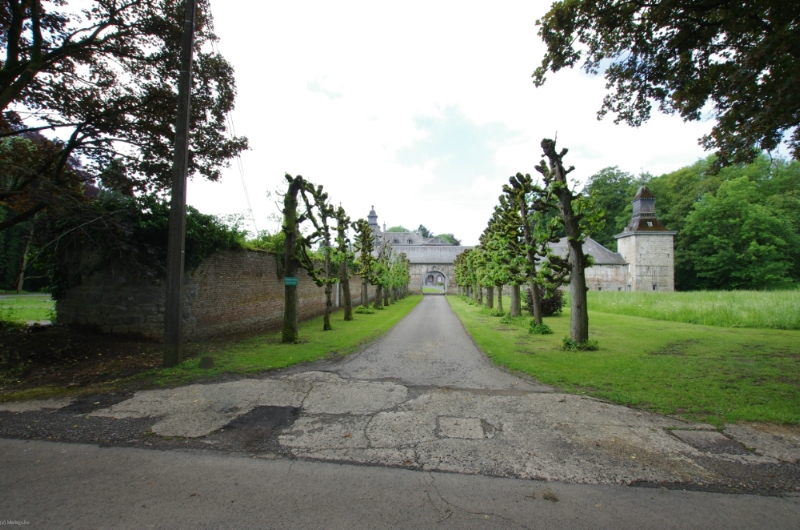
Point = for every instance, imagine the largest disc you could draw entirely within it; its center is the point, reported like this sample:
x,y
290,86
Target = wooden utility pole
x,y
173,310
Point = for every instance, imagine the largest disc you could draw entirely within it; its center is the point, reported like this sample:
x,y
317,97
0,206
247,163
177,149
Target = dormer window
x,y
410,241
396,241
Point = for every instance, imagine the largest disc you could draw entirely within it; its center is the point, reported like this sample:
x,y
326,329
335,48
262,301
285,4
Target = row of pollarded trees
x,y
334,257
515,249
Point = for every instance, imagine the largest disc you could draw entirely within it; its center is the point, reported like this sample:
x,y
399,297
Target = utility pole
x,y
173,307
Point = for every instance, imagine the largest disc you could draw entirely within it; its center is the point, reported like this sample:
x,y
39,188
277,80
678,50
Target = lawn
x,y
24,308
703,373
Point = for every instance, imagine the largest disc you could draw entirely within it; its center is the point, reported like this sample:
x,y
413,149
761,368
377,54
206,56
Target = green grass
x,y
265,351
702,373
432,290
20,309
730,309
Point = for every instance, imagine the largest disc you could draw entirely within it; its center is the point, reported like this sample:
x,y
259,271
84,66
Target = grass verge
x,y
701,373
22,308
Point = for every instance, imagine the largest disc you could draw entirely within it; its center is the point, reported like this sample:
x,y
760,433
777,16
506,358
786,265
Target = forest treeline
x,y
737,229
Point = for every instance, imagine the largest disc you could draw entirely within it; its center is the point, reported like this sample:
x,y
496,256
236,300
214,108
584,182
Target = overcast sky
x,y
422,109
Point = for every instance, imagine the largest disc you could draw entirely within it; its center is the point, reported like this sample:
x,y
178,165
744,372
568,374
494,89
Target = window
x,y
410,241
655,287
396,241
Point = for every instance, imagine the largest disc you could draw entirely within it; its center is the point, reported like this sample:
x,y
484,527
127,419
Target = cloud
x,y
316,86
456,148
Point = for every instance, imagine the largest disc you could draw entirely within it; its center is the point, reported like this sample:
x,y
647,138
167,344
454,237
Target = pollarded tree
x,y
580,218
365,246
343,257
739,58
293,251
507,257
319,212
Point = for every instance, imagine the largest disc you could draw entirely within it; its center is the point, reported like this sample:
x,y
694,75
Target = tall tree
x,y
737,58
104,79
733,242
579,216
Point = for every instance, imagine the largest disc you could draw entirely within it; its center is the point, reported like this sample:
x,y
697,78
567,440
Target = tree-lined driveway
x,y
425,397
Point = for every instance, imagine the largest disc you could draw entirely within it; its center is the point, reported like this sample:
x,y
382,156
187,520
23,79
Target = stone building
x,y
647,247
431,258
645,260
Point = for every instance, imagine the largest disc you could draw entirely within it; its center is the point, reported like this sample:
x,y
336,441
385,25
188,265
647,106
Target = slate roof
x,y
601,255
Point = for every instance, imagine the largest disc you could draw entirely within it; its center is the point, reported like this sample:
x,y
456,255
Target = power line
x,y
239,163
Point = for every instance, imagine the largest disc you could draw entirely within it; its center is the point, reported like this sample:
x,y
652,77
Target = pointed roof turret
x,y
644,214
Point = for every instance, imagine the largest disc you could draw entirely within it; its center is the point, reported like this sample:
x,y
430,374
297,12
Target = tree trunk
x,y
344,278
386,296
378,297
291,264
480,295
364,292
500,298
326,320
579,318
516,307
24,264
531,257
490,297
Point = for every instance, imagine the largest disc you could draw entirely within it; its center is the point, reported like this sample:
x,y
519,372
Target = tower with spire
x,y
648,247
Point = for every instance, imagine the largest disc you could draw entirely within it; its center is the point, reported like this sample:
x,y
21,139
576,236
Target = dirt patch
x,y
676,349
63,356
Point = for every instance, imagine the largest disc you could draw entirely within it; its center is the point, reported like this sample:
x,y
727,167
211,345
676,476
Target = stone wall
x,y
606,277
230,292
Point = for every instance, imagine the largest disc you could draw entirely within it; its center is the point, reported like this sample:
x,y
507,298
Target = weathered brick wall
x,y
229,292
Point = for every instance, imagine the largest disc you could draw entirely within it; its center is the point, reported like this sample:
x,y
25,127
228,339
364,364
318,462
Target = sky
x,y
420,109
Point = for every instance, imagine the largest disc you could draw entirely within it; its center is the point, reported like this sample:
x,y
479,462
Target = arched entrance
x,y
434,282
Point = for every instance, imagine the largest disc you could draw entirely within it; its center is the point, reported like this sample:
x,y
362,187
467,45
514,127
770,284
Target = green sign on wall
x,y
290,281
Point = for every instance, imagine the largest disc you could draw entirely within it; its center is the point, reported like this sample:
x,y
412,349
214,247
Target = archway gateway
x,y
434,282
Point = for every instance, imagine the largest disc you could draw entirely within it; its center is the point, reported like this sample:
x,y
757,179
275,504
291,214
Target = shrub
x,y
570,345
539,329
362,310
551,305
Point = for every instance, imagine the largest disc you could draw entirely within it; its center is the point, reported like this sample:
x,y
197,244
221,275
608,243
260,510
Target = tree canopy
x,y
103,80
738,58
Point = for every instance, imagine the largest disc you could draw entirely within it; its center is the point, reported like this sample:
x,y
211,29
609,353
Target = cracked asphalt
x,y
419,407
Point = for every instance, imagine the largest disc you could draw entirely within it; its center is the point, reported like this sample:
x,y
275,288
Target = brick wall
x,y
230,292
